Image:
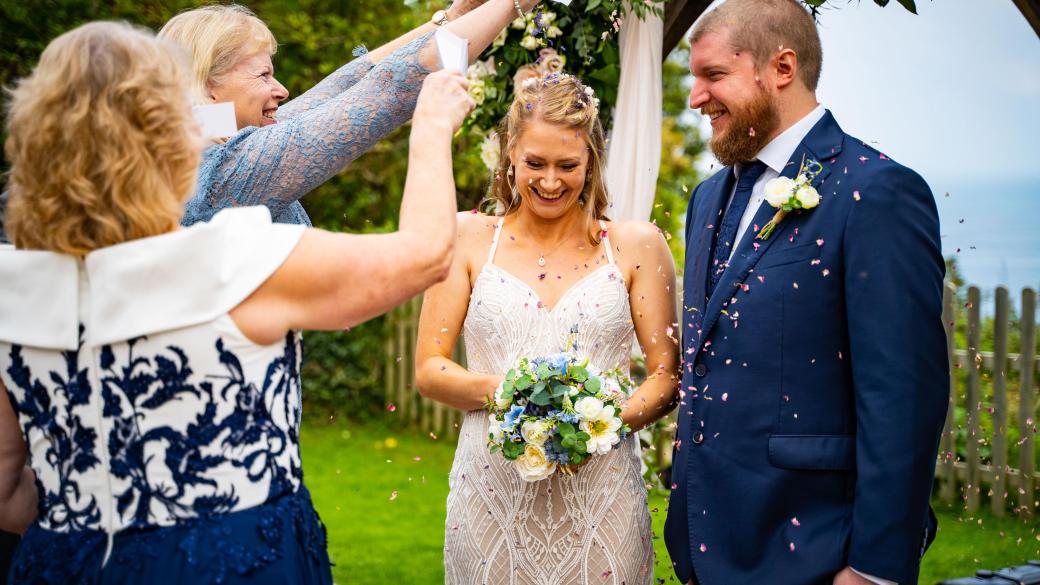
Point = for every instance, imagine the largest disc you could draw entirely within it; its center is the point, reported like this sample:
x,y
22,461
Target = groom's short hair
x,y
763,27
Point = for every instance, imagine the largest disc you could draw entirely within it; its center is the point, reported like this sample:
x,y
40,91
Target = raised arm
x,y
652,298
279,164
348,75
17,482
444,308
334,281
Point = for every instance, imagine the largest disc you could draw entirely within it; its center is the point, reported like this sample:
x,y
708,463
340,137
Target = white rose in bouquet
x,y
588,408
495,428
501,402
778,191
532,465
535,432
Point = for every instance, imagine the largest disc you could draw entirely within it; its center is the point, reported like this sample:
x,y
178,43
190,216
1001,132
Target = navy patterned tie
x,y
727,232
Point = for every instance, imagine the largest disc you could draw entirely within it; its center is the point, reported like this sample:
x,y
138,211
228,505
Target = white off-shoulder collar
x,y
140,287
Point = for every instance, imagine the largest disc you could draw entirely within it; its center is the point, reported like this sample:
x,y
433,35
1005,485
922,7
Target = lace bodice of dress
x,y
589,528
506,319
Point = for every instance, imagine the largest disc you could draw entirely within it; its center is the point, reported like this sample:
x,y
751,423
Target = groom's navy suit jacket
x,y
814,380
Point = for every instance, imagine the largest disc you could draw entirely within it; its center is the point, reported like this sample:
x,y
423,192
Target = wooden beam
x,y
1030,9
679,16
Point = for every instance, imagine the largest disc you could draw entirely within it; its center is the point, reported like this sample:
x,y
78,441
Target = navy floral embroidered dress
x,y
165,443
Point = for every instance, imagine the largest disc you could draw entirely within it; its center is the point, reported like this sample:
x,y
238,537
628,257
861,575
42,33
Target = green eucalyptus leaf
x,y
541,398
578,374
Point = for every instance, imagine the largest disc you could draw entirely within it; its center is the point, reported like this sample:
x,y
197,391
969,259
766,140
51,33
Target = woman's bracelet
x,y
520,11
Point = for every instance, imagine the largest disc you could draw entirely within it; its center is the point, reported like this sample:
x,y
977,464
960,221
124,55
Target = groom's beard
x,y
748,131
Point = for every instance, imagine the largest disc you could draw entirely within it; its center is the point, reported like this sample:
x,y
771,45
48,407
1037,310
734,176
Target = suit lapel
x,y
824,140
698,249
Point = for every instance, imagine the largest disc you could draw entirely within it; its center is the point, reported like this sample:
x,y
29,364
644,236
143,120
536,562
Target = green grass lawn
x,y
381,494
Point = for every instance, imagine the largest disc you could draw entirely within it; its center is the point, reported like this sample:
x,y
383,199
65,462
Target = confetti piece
x,y
704,547
795,521
391,407
393,495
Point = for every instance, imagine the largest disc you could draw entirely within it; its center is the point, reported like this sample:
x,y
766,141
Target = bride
x,y
549,271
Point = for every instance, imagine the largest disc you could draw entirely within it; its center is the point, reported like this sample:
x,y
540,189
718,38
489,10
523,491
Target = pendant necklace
x,y
541,257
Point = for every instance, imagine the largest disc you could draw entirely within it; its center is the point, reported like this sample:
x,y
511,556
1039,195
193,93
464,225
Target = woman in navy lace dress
x,y
148,373
282,152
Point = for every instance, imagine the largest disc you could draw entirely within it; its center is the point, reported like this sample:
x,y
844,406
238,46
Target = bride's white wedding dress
x,y
592,527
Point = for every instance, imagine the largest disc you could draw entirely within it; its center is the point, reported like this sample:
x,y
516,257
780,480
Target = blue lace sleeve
x,y
336,83
276,165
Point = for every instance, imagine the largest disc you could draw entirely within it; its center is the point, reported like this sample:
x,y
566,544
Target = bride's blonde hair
x,y
563,100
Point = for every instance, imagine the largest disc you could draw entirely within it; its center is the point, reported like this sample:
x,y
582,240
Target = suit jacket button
x,y
701,370
698,437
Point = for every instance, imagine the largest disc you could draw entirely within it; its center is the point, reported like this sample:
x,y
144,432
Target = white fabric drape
x,y
634,154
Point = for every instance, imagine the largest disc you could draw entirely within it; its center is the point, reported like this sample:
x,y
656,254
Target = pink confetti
x,y
792,547
704,547
795,522
819,242
855,195
391,407
725,396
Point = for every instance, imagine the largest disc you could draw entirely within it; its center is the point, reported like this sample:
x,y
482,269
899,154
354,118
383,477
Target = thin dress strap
x,y
606,241
494,240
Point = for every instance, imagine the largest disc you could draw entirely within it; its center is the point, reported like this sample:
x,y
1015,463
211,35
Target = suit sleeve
x,y
893,281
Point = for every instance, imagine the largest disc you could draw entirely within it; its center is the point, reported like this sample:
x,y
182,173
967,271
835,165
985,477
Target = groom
x,y
814,382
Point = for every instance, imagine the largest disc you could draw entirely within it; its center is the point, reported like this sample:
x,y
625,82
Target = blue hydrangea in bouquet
x,y
552,413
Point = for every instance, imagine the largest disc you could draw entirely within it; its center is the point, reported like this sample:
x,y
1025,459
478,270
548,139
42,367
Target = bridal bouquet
x,y
555,411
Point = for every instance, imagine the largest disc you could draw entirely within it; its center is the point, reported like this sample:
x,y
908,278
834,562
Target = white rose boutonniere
x,y
788,195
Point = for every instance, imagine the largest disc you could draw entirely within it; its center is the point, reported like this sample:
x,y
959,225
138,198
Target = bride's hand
x,y
572,468
492,382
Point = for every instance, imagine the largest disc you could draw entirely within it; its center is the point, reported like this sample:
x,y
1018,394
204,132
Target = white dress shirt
x,y
775,156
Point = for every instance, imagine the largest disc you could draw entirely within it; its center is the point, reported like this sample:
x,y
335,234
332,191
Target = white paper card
x,y
216,120
453,50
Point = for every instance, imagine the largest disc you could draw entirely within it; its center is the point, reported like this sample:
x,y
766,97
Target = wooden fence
x,y
974,450
979,390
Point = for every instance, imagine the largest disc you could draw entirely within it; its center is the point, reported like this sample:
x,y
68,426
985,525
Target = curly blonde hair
x,y
218,38
563,100
101,141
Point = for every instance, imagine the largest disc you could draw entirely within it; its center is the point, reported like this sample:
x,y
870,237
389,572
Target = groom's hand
x,y
849,577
